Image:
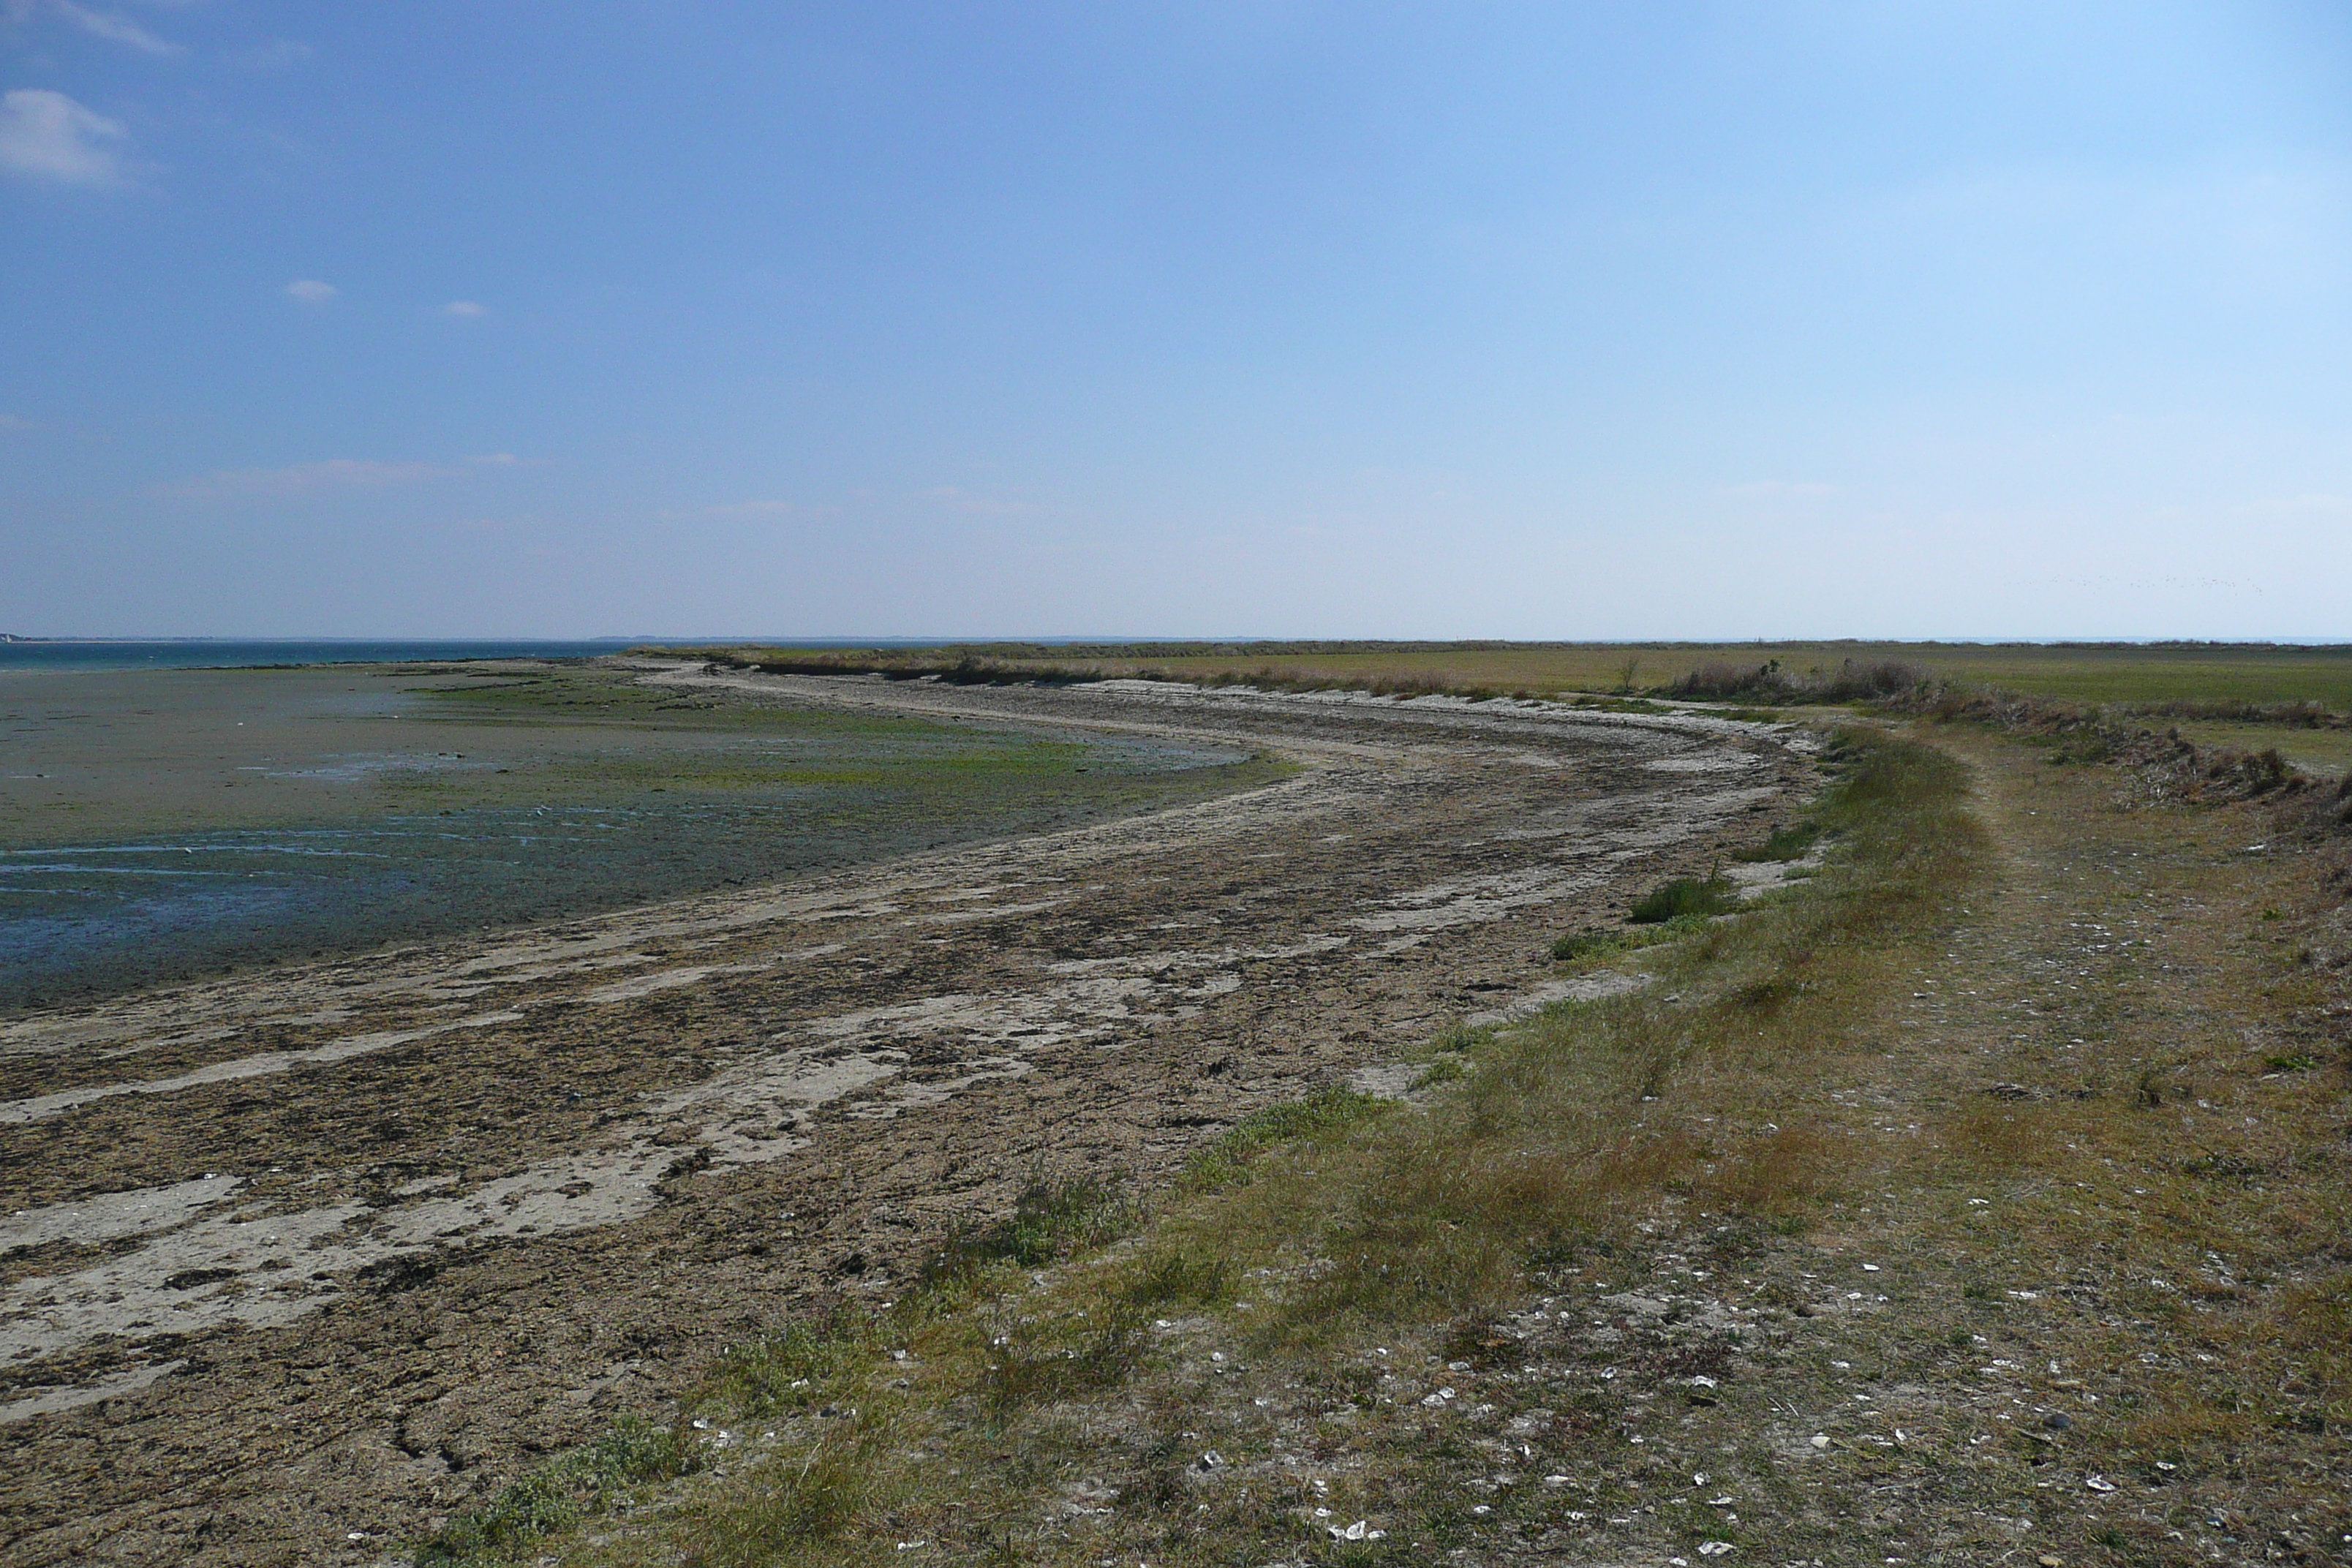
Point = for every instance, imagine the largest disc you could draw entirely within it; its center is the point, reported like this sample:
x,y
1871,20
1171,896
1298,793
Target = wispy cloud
x,y
114,30
303,479
1762,490
465,309
311,292
2315,504
47,136
313,478
751,508
957,499
10,422
281,54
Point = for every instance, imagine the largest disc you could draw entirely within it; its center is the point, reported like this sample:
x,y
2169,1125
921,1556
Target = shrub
x,y
1849,682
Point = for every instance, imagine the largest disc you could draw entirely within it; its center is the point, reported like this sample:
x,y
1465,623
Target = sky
x,y
506,318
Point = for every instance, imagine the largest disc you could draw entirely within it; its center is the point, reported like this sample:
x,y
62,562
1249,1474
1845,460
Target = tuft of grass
x,y
1226,1163
1447,1068
1790,843
1684,897
1031,1362
559,1494
1051,1219
1457,1037
791,1370
1179,1277
790,1503
1602,943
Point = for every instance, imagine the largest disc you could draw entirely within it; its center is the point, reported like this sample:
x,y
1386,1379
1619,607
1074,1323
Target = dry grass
x,y
2223,681
1911,1210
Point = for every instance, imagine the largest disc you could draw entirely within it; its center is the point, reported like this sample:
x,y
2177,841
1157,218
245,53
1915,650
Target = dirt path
x,y
303,1260
2083,1295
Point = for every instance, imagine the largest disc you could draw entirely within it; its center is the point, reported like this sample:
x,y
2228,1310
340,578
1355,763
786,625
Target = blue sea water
x,y
88,917
210,653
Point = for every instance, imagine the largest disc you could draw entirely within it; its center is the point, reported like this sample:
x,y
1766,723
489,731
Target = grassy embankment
x,y
1984,1195
2244,697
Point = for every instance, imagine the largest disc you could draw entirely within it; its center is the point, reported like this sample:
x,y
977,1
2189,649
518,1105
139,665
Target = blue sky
x,y
1556,320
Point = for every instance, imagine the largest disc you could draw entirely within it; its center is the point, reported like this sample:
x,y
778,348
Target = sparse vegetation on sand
x,y
1983,1198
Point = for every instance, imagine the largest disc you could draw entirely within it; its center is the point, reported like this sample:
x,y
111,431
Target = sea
x,y
221,653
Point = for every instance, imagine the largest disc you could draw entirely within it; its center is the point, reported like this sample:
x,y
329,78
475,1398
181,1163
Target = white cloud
x,y
465,309
311,292
49,136
303,479
10,422
114,30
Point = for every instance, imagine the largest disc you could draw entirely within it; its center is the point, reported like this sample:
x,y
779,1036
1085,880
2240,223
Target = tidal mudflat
x,y
306,1259
158,825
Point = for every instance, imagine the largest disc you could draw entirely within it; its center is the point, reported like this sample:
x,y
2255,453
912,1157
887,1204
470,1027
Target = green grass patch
x,y
1226,1163
1052,1220
1791,843
1580,944
1684,897
1447,1068
561,1493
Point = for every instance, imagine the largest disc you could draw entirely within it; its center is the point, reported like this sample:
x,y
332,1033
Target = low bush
x,y
1849,682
